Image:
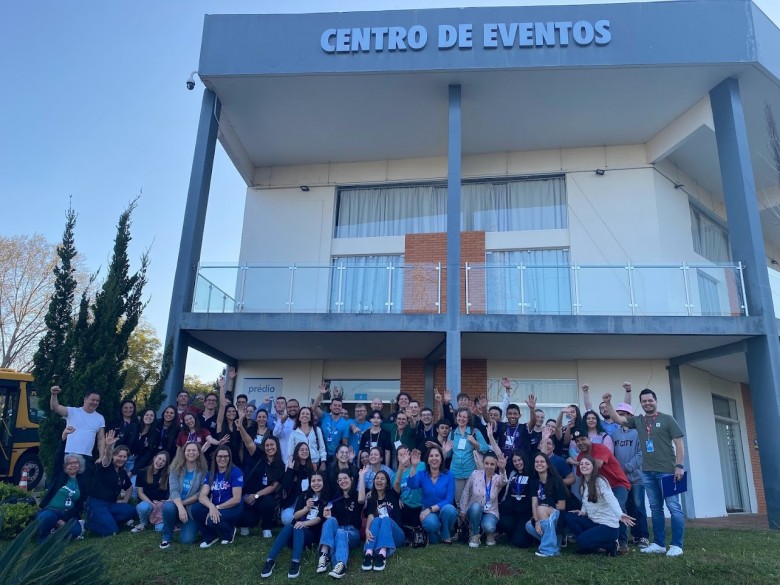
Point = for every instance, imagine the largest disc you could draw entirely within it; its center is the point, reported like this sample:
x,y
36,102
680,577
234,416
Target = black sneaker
x,y
322,564
379,562
338,571
295,570
268,568
165,544
368,563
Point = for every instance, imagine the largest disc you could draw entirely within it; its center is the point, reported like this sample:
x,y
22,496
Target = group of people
x,y
338,483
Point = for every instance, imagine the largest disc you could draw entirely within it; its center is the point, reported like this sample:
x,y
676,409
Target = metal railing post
x,y
741,268
340,302
292,284
575,272
521,272
468,304
688,306
241,302
389,303
438,291
631,303
208,302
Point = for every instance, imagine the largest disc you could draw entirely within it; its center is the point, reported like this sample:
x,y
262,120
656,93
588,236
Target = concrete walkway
x,y
734,521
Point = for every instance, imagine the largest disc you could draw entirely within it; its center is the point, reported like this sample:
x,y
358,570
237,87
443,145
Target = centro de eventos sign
x,y
506,35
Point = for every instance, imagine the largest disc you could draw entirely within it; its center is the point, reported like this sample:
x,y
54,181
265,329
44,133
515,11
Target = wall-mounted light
x,y
305,188
600,172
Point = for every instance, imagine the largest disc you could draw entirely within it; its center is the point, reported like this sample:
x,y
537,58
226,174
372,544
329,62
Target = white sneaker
x,y
653,549
267,534
244,531
674,551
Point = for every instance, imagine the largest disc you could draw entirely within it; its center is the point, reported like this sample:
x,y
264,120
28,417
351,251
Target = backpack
x,y
416,537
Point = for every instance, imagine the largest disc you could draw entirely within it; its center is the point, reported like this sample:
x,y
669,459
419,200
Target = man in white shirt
x,y
88,423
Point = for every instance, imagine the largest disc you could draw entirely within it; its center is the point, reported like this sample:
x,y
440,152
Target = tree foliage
x,y
52,360
104,325
142,366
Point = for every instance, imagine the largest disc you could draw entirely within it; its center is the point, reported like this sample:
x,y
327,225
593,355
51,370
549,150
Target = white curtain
x,y
709,239
493,206
391,211
528,204
545,288
360,284
708,294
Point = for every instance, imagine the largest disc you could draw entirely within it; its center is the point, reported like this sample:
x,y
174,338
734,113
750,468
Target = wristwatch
x,y
680,466
257,496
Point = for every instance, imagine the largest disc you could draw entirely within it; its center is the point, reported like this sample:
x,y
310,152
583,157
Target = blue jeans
x,y
300,538
47,521
652,483
479,519
635,507
591,536
549,539
621,495
339,539
144,510
222,529
189,530
439,525
287,515
387,534
104,518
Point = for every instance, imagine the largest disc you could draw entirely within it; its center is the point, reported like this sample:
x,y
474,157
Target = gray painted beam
x,y
313,322
453,238
430,372
191,238
708,354
747,246
212,352
678,412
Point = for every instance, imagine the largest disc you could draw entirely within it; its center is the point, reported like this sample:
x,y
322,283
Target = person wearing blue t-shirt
x,y
335,427
219,505
357,426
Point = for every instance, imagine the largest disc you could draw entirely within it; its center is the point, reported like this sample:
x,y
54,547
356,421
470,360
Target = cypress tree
x,y
104,326
53,359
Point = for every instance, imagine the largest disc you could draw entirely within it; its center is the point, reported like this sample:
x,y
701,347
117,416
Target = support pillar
x,y
747,246
191,239
453,239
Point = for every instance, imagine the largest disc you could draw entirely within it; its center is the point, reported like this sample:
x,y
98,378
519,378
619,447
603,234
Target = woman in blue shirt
x,y
438,493
219,505
465,440
186,476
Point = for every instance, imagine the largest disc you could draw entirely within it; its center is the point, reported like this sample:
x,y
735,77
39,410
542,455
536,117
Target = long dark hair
x,y
278,455
551,471
324,494
599,427
374,494
164,472
593,495
308,465
428,454
142,424
297,424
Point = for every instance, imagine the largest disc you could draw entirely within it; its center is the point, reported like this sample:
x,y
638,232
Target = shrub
x,y
8,490
14,518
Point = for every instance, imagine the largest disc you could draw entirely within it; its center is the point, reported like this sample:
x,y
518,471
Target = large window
x,y
528,282
710,238
367,284
493,206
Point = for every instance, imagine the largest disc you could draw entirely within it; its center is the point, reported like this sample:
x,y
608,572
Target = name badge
x,y
487,507
649,446
374,444
397,444
304,485
265,480
313,513
462,444
382,511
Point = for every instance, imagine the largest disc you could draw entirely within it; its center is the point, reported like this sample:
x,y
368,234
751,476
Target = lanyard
x,y
649,425
519,485
488,488
514,434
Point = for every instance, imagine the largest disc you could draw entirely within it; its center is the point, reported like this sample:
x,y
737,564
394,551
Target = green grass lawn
x,y
714,557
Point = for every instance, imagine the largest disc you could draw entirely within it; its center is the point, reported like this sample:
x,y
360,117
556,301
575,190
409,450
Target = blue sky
x,y
94,107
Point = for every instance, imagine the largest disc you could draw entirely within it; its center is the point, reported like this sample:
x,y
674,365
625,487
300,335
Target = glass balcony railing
x,y
640,290
370,287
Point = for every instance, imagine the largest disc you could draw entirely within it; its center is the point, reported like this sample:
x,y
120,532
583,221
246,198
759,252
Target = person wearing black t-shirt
x,y
515,505
376,436
548,500
383,519
341,529
152,487
305,528
263,473
105,513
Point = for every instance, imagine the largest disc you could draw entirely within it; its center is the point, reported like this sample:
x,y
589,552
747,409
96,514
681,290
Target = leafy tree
x,y
103,327
143,363
157,395
52,361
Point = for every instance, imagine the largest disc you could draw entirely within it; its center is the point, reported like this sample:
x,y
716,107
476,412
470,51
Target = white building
x,y
558,194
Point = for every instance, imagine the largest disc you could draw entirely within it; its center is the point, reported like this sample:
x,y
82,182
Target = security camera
x,y
191,81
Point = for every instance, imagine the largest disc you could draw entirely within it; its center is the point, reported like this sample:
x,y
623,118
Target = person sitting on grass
x,y
152,489
596,525
65,498
438,514
187,472
515,506
296,480
479,502
107,506
340,463
341,528
305,528
383,521
548,500
219,504
263,473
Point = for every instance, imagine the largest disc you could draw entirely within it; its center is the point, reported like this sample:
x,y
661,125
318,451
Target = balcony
x,y
689,290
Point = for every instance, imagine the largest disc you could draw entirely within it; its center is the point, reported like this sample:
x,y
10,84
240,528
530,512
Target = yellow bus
x,y
19,418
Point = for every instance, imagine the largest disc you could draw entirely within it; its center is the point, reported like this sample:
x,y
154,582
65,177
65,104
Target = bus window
x,y
34,410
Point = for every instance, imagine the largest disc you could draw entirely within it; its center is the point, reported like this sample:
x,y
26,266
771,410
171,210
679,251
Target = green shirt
x,y
66,496
662,429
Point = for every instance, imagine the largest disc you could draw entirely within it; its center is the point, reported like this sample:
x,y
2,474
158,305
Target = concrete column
x,y
453,239
191,238
747,246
